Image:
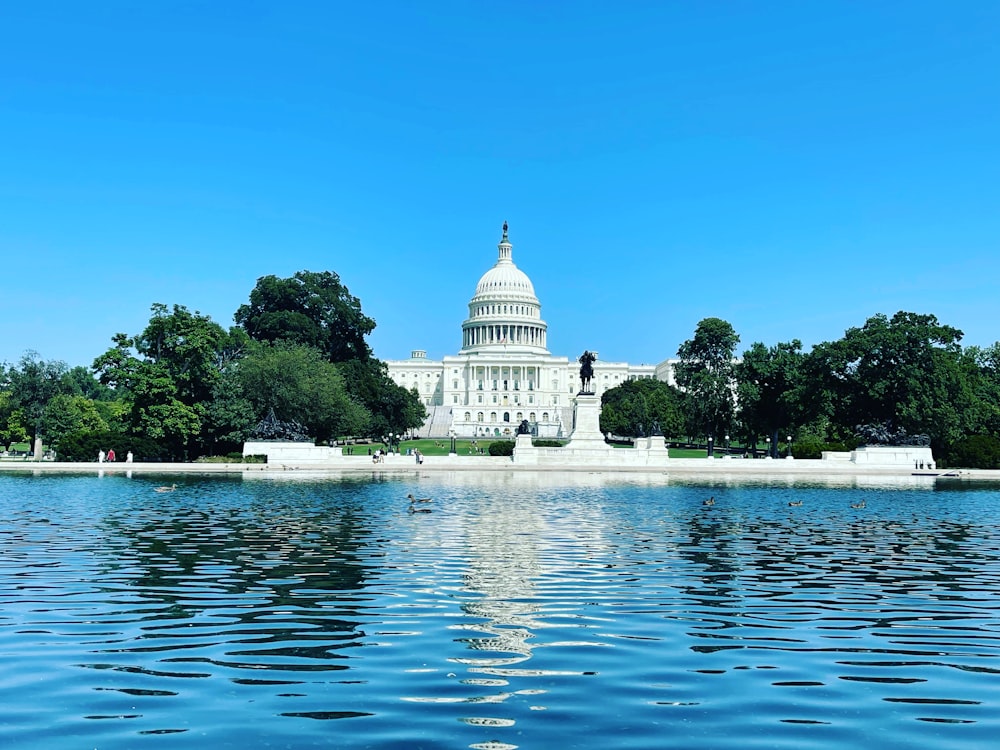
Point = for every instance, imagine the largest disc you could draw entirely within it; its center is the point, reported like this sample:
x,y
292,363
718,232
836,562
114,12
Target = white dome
x,y
508,281
504,313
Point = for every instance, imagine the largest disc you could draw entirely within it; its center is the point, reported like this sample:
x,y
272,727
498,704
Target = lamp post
x,y
710,453
789,441
727,445
768,441
451,434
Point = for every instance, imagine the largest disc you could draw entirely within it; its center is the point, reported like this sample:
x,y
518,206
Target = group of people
x,y
378,457
110,456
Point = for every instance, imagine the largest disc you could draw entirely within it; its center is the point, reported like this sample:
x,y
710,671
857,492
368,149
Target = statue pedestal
x,y
586,423
586,447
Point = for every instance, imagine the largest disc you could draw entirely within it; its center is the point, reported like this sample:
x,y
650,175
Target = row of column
x,y
499,334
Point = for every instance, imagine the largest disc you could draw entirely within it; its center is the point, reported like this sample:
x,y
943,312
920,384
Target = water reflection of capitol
x,y
504,372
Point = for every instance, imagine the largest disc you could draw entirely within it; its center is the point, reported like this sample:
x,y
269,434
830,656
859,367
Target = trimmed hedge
x,y
974,452
814,449
502,448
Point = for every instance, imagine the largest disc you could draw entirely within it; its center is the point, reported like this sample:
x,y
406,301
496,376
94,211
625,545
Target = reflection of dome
x,y
504,312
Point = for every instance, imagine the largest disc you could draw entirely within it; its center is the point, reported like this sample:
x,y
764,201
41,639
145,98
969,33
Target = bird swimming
x,y
858,505
795,503
710,501
164,488
413,509
418,499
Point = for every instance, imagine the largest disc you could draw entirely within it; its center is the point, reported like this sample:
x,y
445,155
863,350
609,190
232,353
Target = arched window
x,y
493,416
506,416
468,417
531,417
479,417
545,416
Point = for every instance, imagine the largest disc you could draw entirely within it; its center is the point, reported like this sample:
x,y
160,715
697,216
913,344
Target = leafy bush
x,y
814,448
543,443
975,452
502,448
232,458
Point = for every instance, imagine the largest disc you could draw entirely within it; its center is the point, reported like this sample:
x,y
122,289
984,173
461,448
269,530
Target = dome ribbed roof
x,y
505,279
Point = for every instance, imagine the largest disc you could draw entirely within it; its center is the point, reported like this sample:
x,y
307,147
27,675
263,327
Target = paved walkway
x,y
717,468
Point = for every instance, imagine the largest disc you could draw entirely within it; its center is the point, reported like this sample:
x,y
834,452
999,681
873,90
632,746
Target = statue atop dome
x,y
504,238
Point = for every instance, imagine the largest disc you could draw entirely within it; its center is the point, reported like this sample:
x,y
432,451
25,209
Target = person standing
x,y
100,456
111,455
128,457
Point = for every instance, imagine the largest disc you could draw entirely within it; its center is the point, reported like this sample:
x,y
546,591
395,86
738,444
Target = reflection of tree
x,y
712,548
281,570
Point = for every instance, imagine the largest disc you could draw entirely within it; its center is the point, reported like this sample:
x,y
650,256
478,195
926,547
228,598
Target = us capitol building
x,y
504,373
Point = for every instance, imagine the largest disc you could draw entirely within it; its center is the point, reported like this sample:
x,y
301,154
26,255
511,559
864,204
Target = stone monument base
x,y
287,451
915,456
586,446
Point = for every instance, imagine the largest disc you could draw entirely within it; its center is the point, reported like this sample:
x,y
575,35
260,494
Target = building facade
x,y
504,373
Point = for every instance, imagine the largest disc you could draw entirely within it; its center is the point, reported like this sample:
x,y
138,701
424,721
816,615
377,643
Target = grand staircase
x,y
437,424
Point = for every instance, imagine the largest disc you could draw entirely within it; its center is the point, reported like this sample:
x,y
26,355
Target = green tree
x,y
230,416
300,385
158,414
767,383
982,369
309,308
191,348
12,429
906,371
643,407
168,374
393,408
32,383
705,373
66,415
83,382
315,309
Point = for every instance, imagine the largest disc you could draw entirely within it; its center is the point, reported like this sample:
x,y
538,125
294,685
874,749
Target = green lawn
x,y
464,447
430,447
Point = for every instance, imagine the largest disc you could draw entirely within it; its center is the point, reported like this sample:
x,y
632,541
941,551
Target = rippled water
x,y
532,611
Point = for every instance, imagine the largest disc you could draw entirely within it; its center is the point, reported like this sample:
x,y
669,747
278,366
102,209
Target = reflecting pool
x,y
521,611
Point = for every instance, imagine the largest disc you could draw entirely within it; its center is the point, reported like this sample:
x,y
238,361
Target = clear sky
x,y
792,167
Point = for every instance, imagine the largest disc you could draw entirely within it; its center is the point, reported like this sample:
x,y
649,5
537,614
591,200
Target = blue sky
x,y
791,167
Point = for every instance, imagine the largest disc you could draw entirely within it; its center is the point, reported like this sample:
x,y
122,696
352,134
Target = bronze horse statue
x,y
587,360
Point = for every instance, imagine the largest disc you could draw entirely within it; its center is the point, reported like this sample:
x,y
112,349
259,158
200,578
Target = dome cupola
x,y
504,313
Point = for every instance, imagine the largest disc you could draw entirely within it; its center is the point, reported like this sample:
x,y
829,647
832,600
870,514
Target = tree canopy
x,y
705,373
300,385
309,308
640,408
767,379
